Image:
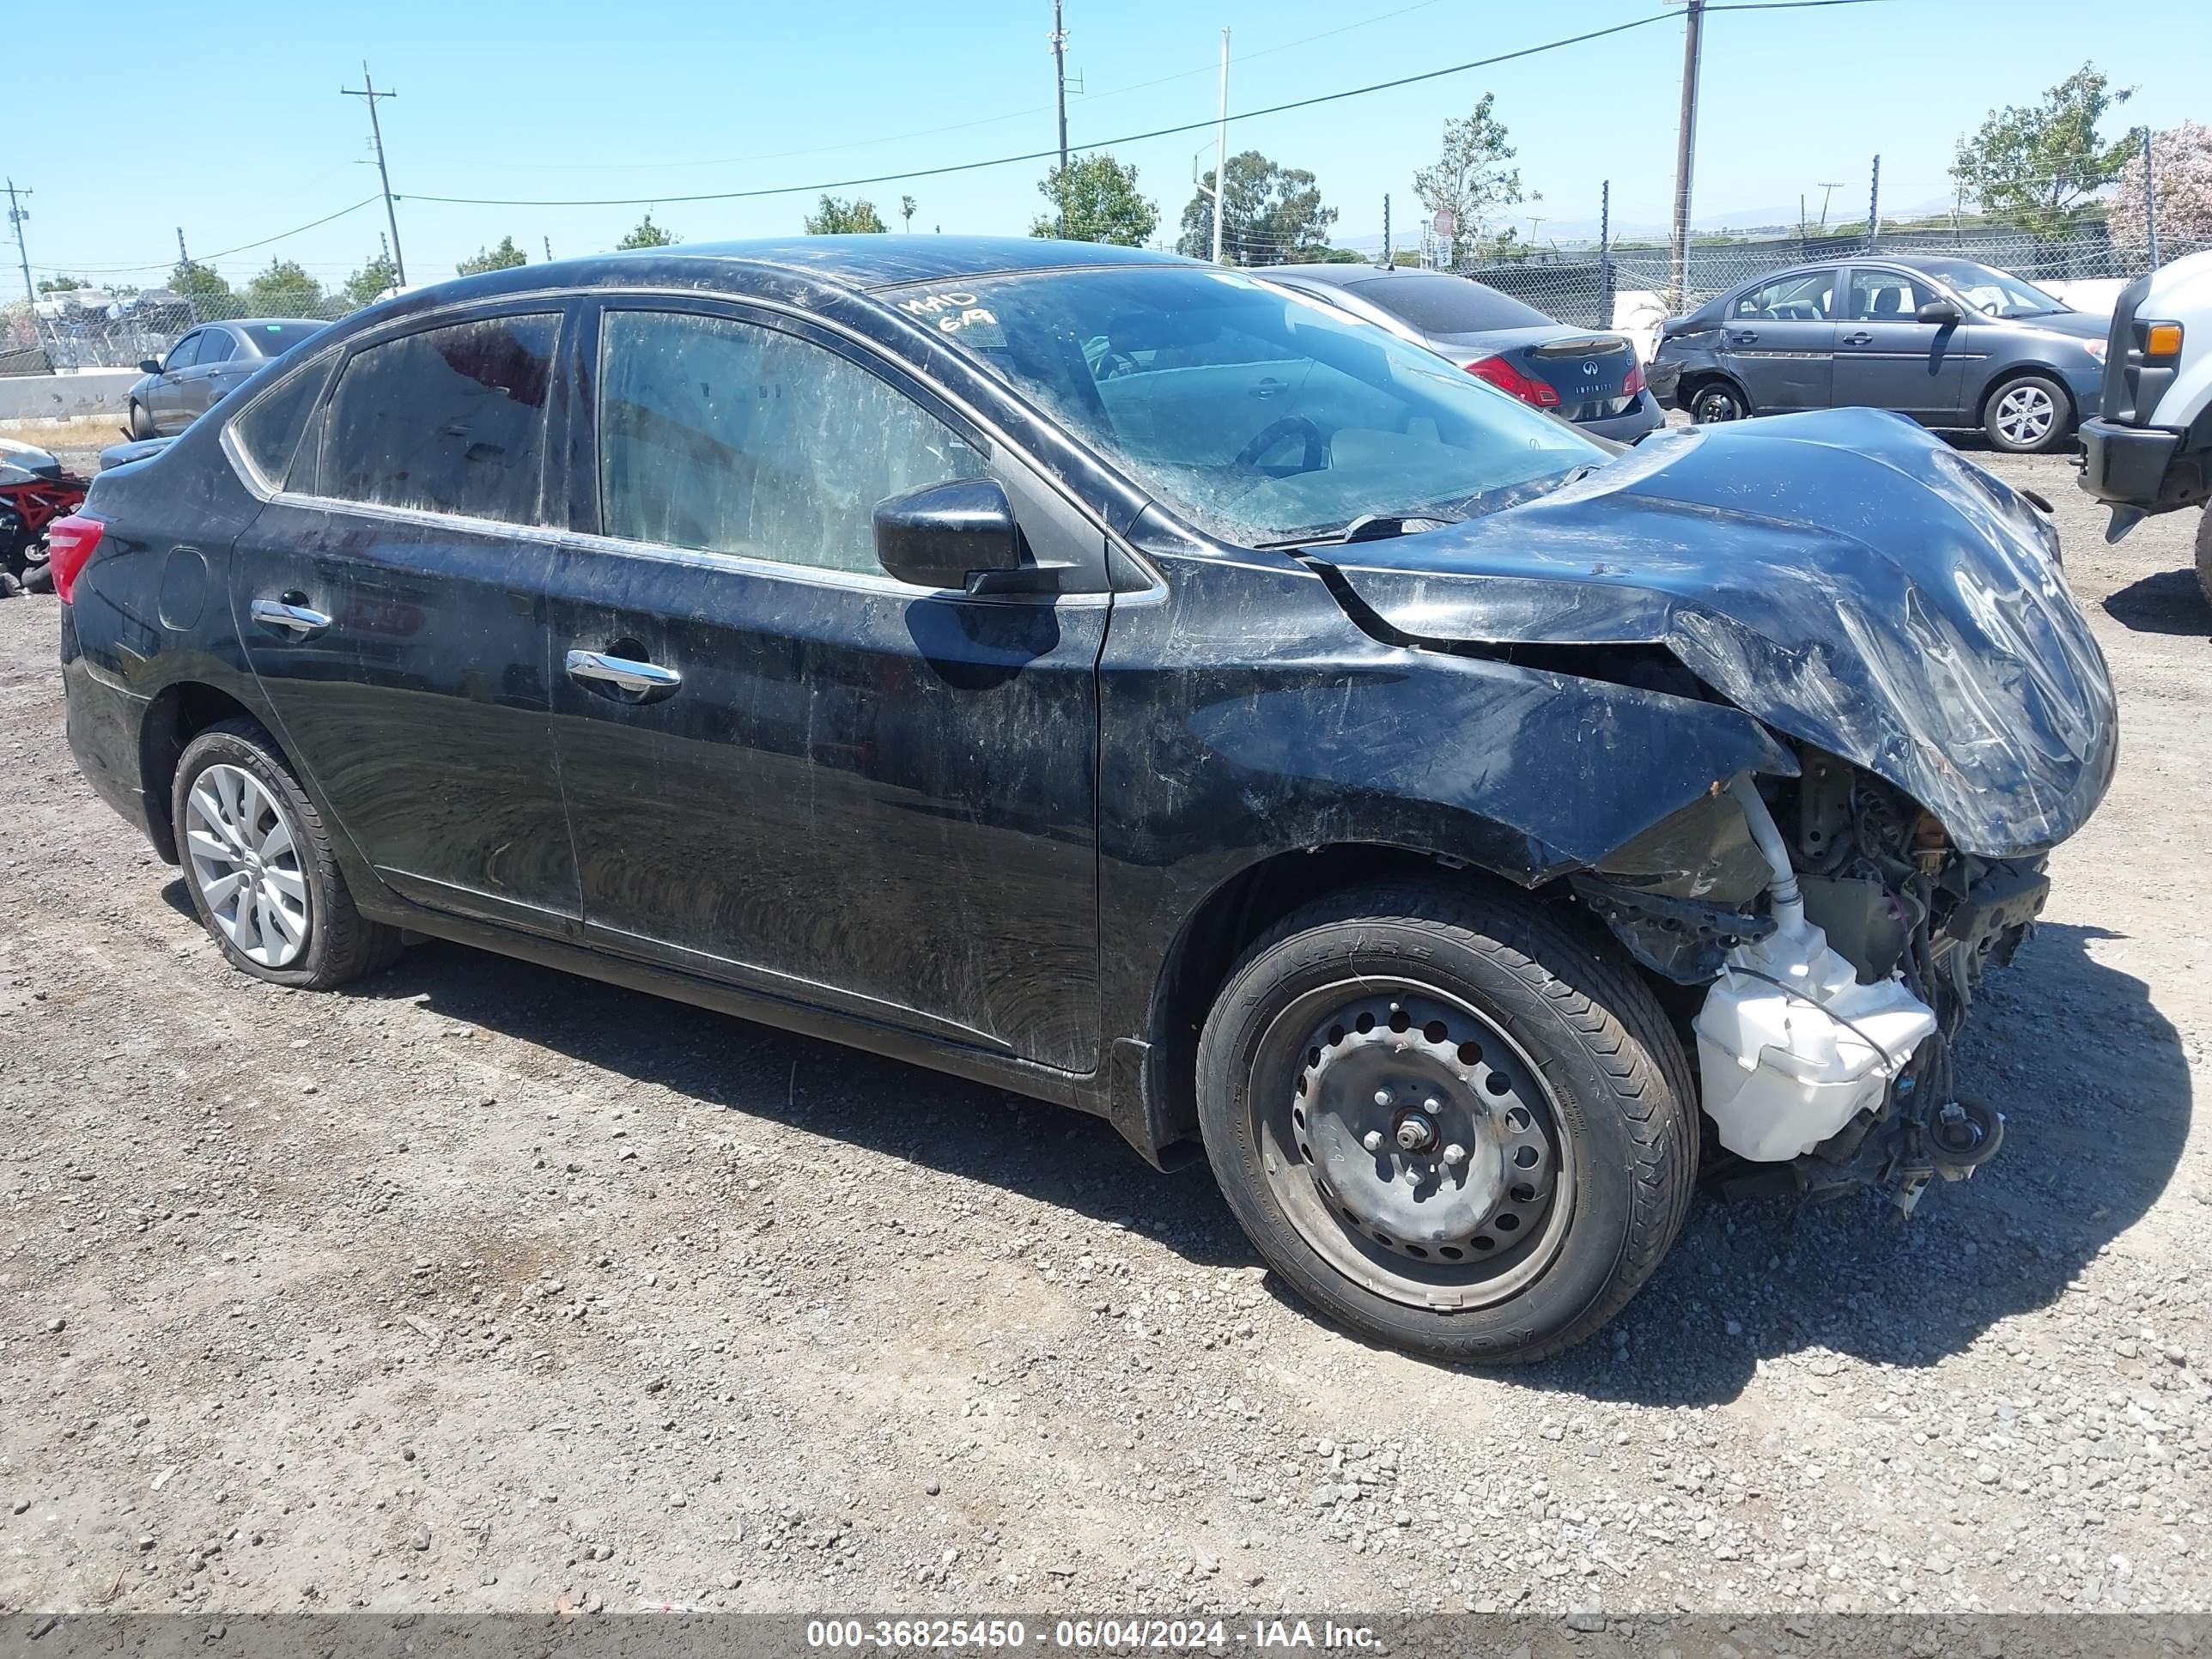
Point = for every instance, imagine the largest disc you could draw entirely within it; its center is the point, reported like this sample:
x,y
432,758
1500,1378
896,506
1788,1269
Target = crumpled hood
x,y
1841,575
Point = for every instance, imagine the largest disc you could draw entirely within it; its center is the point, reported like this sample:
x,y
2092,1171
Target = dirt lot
x,y
483,1287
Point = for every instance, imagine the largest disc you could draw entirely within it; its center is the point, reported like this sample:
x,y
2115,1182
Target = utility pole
x,y
367,89
1605,253
1386,230
548,250
1221,151
1874,204
2150,202
1686,145
16,214
1059,76
1828,191
183,257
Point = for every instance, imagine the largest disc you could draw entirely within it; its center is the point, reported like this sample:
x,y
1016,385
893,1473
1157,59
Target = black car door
x,y
390,599
785,768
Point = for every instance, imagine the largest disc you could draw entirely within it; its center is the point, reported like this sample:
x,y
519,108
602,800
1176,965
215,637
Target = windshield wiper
x,y
1373,528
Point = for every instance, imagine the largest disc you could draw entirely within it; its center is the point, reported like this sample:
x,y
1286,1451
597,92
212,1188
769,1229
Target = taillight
x,y
69,544
1634,383
1506,377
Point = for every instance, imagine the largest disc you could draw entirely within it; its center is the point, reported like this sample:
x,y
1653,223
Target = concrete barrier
x,y
60,397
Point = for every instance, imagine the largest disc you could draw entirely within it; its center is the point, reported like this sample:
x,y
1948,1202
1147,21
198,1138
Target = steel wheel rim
x,y
1714,406
1411,1227
2025,415
244,861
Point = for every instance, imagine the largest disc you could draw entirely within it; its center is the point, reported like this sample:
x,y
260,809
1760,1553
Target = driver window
x,y
1808,298
1886,296
731,438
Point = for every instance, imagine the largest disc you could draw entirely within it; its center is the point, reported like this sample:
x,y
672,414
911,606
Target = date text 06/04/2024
x,y
1102,1635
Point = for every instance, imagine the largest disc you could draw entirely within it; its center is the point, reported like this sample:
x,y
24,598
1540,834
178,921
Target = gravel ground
x,y
482,1287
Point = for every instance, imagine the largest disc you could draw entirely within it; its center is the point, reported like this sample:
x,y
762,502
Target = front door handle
x,y
638,682
1860,338
1749,336
284,617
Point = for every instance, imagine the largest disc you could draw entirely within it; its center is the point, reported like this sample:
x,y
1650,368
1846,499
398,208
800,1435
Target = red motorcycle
x,y
35,489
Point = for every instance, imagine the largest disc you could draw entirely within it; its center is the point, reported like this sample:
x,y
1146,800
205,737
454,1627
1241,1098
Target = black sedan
x,y
1112,678
205,366
1591,378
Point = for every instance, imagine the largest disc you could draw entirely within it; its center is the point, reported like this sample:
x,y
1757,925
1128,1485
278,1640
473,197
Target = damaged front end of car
x,y
1839,939
1896,619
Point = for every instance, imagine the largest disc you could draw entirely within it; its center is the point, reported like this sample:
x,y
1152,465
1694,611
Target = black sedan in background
x,y
1116,679
1946,342
1592,378
203,367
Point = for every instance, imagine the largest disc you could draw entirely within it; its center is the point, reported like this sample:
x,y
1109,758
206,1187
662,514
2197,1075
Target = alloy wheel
x,y
1413,1144
2025,416
244,861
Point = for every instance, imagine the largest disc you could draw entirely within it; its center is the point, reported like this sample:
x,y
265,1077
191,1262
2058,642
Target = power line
x,y
243,247
1126,139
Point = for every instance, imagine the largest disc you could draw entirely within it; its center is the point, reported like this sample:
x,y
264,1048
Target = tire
x,y
2028,415
1539,1020
2204,554
1714,401
316,939
142,424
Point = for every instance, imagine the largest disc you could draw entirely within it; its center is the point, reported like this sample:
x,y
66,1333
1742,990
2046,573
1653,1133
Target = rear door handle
x,y
1749,336
641,682
1858,339
297,620
1267,388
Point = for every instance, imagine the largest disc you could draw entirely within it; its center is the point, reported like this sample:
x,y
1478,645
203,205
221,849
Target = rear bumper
x,y
1645,416
104,721
2143,467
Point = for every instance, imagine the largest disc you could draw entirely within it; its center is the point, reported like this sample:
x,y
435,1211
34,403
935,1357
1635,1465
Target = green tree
x,y
61,284
505,257
906,210
371,279
1270,214
648,234
210,295
2040,165
1471,176
841,218
284,289
1095,199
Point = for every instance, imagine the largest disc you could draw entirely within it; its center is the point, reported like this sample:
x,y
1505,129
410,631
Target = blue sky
x,y
234,130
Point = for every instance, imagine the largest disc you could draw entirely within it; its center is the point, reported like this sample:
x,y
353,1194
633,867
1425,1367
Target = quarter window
x,y
268,431
727,437
451,420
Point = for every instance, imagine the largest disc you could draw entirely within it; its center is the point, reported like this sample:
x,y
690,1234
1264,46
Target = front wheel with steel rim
x,y
2028,416
258,860
1450,1120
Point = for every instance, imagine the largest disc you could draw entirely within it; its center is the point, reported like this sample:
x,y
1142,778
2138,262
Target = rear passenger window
x,y
451,420
216,347
269,431
731,438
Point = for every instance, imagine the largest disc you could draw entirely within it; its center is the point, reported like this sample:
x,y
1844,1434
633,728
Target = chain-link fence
x,y
103,328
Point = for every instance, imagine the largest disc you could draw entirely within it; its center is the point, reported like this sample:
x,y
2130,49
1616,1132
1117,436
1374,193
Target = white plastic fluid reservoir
x,y
1781,1073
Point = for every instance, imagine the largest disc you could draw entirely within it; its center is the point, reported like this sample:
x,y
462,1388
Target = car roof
x,y
887,260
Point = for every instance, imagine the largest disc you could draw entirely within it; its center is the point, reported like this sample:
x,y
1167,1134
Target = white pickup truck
x,y
2148,448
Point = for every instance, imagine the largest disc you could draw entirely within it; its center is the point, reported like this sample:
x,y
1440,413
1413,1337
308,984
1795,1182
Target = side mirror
x,y
149,364
940,535
1941,312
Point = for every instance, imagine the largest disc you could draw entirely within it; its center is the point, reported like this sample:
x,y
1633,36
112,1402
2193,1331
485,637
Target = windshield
x,y
1261,417
1991,292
